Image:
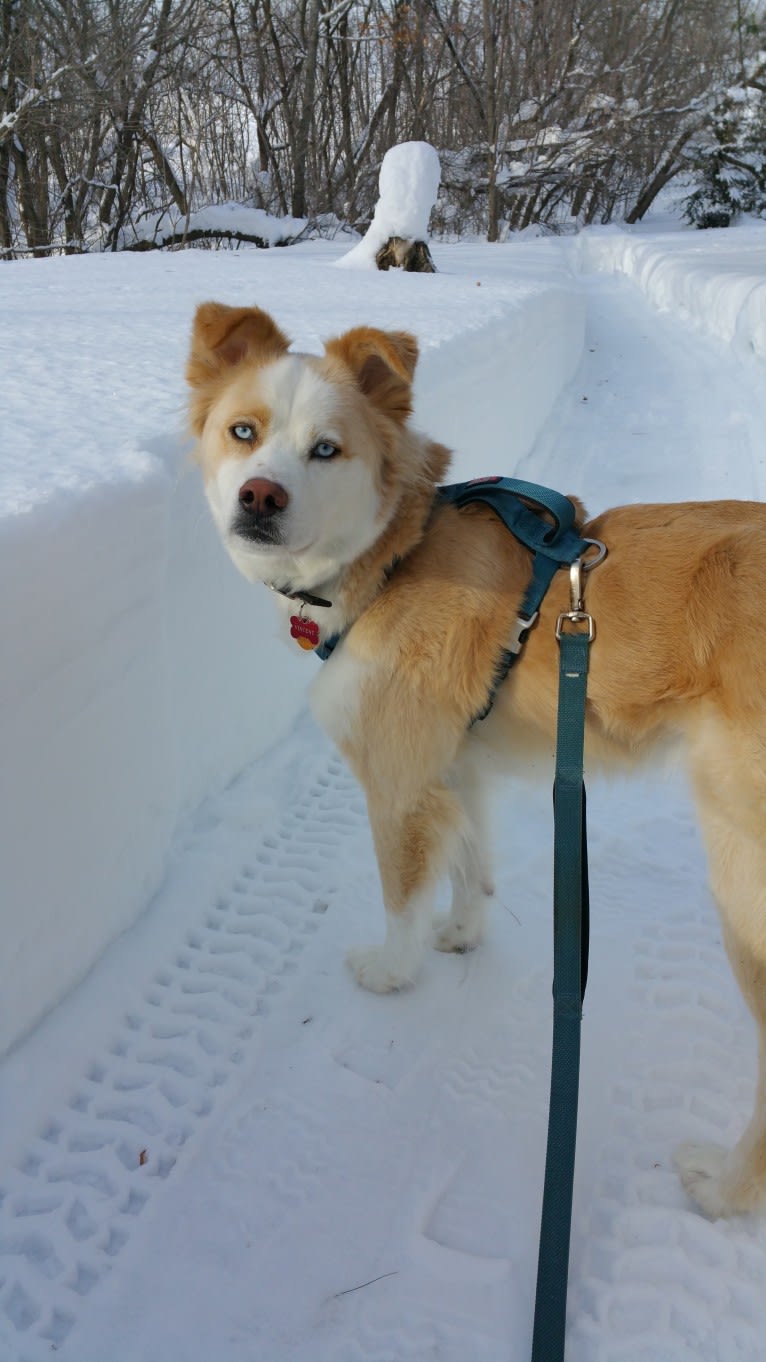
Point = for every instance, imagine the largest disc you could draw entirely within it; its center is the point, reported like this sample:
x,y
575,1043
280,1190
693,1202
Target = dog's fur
x,y
426,599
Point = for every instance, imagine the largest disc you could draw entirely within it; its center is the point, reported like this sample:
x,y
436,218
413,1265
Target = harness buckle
x,y
519,630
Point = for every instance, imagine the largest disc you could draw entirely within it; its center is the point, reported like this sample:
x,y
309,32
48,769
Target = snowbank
x,y
140,672
714,279
527,355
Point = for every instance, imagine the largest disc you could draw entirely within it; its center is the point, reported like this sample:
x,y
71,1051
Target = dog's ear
x,y
222,336
383,364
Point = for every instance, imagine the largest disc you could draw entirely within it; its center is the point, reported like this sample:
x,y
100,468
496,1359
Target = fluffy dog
x,y
321,489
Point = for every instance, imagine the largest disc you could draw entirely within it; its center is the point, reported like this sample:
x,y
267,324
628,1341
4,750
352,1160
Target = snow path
x,y
247,1159
657,413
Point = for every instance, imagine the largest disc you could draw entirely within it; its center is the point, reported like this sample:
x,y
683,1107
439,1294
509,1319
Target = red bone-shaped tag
x,y
306,632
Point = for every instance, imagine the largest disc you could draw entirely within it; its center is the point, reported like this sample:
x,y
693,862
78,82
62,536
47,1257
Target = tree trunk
x,y
34,229
490,110
166,171
6,239
303,130
665,173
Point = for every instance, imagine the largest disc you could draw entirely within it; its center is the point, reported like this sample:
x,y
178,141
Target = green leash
x,y
570,967
552,548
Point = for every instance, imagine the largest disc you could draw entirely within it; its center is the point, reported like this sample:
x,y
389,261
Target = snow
x,y
216,1146
715,279
408,184
230,218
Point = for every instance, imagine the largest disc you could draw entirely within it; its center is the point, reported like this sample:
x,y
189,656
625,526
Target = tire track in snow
x,y
67,1209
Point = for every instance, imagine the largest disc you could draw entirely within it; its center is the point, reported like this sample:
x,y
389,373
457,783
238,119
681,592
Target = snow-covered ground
x,y
217,1147
716,280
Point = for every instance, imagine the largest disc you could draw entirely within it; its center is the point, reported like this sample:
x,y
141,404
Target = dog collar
x,y
304,596
306,631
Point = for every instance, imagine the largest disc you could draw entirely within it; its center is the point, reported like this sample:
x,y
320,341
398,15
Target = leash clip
x,y
576,617
576,614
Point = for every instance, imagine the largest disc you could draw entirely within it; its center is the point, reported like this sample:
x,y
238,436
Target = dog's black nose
x,y
261,498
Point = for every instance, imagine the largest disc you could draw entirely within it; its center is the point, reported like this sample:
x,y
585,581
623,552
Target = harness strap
x,y
570,972
553,546
327,648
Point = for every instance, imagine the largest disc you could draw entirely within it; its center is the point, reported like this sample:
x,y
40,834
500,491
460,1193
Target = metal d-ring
x,y
588,563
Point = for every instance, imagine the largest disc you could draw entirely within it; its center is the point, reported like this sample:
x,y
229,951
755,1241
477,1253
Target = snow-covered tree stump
x,y
398,253
397,237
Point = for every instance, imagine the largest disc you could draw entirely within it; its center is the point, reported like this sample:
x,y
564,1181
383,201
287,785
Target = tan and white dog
x,y
321,489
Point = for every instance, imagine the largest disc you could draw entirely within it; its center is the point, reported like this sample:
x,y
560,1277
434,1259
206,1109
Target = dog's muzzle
x,y
260,514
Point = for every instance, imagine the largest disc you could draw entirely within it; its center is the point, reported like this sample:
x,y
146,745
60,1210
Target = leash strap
x,y
570,969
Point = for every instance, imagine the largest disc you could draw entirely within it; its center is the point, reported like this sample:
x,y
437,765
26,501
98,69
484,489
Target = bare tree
x,y
116,113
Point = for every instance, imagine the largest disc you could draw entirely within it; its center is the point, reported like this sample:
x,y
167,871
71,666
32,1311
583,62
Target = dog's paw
x,y
702,1168
374,968
460,936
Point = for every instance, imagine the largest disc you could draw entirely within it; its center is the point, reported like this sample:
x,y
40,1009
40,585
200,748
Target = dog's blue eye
x,y
324,449
243,432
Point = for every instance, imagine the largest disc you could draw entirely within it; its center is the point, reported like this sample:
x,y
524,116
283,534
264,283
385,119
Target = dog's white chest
x,y
335,695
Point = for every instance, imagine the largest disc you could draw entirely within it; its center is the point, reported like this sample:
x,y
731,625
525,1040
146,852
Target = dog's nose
x,y
261,498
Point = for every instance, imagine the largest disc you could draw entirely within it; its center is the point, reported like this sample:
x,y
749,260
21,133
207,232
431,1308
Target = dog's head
x,y
304,457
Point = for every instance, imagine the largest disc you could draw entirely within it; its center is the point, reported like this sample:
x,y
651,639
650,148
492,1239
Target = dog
x,y
321,488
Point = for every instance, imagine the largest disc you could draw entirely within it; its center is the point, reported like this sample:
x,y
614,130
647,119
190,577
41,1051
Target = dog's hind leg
x,y
730,783
471,870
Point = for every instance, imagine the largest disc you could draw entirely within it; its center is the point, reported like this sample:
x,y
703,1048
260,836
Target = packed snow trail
x,y
656,414
246,1158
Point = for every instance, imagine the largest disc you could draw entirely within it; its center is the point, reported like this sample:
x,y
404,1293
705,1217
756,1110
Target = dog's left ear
x,y
383,364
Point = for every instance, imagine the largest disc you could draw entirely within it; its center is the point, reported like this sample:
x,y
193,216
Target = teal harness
x,y
553,546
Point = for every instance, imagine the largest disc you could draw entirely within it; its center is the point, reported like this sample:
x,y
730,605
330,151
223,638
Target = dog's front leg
x,y
413,848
